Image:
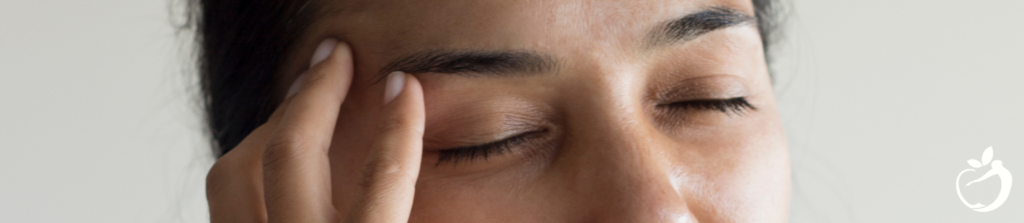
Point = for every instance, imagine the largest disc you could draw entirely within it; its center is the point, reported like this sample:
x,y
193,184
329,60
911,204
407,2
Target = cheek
x,y
741,173
500,197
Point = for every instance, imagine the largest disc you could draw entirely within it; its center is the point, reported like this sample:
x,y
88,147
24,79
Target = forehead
x,y
394,27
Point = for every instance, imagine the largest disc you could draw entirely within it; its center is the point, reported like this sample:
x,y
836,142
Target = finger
x,y
389,180
296,175
234,185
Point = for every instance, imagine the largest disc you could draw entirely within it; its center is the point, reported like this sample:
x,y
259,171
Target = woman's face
x,y
570,110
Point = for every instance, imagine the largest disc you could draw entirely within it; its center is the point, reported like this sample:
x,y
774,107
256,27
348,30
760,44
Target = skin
x,y
607,151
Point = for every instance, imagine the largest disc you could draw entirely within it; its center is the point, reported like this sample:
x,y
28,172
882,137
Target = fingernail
x,y
396,81
323,51
296,85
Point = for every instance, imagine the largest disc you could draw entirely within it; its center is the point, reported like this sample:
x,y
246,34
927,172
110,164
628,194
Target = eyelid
x,y
481,122
702,88
497,147
474,135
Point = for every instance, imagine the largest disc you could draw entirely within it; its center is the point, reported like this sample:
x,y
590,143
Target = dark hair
x,y
241,46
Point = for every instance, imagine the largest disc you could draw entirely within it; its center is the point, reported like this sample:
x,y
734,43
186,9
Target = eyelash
x,y
454,155
737,105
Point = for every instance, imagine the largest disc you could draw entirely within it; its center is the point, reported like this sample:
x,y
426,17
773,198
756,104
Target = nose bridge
x,y
639,184
629,174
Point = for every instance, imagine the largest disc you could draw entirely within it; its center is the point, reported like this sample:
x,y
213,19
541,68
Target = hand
x,y
280,172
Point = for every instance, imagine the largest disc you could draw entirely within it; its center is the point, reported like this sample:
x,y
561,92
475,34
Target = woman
x,y
492,111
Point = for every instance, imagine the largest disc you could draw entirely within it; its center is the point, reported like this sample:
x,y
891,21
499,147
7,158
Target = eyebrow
x,y
513,63
472,63
693,25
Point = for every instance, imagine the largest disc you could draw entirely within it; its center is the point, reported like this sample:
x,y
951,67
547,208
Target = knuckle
x,y
234,164
218,175
282,148
385,171
398,126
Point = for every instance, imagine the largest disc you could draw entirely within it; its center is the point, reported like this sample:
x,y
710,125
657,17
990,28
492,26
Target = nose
x,y
634,182
622,172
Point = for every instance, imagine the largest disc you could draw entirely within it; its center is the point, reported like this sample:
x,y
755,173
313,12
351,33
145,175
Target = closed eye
x,y
738,105
470,153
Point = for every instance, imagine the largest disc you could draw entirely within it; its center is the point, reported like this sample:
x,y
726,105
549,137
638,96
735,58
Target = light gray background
x,y
884,101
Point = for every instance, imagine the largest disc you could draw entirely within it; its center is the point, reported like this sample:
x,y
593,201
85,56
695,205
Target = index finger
x,y
389,176
296,174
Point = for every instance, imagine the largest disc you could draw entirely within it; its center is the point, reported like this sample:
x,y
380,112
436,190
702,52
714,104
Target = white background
x,y
884,102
